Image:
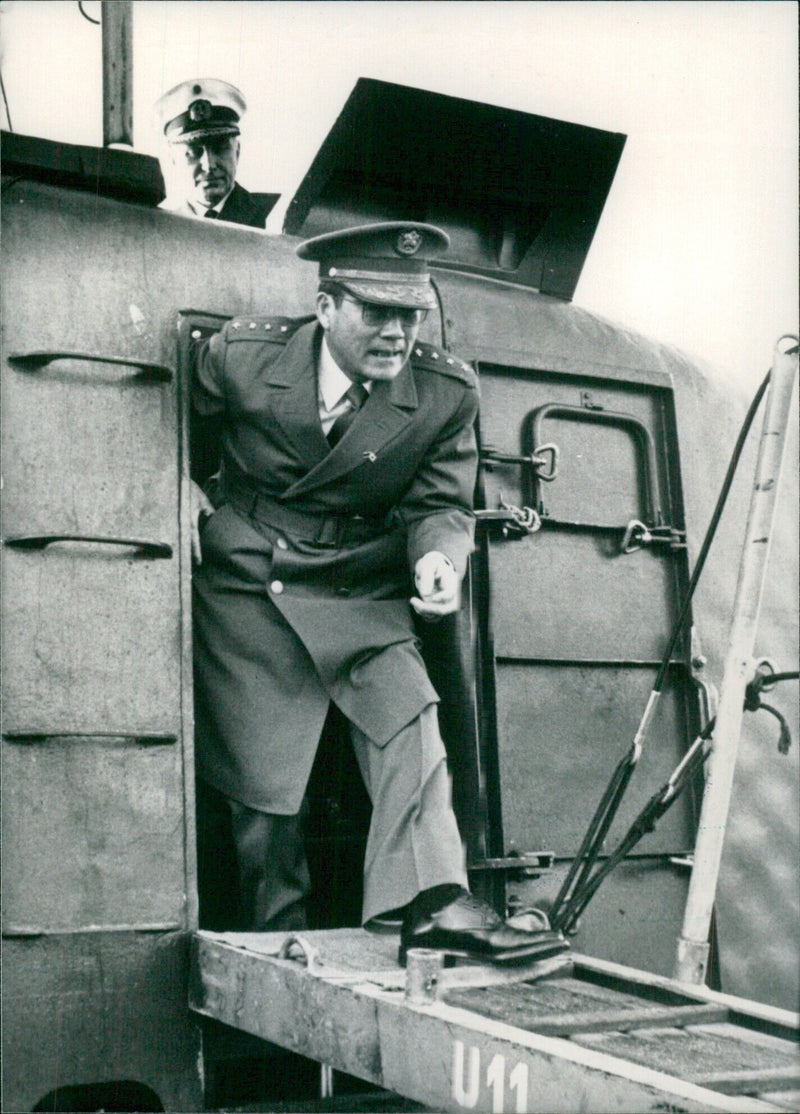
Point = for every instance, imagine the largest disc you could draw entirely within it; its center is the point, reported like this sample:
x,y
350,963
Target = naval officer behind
x,y
199,125
348,463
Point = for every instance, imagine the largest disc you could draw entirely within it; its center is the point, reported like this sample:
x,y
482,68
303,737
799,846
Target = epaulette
x,y
436,359
276,330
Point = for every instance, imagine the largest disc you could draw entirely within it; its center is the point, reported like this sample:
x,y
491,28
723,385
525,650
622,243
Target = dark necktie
x,y
356,395
211,214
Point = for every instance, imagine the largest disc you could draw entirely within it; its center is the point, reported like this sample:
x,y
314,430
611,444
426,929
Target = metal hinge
x,y
525,864
509,520
543,460
637,536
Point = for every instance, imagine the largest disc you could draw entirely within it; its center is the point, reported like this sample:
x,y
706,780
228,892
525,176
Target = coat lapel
x,y
387,411
292,383
241,208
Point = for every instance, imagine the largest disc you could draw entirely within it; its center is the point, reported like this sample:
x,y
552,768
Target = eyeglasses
x,y
374,315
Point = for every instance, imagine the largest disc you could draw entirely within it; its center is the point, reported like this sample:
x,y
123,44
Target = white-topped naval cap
x,y
199,107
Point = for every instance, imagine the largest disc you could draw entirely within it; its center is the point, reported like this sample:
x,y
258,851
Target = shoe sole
x,y
501,958
384,928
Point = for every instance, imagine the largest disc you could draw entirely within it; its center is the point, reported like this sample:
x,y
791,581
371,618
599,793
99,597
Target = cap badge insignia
x,y
409,242
199,111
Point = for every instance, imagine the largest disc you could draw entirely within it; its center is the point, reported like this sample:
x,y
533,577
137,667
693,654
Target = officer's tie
x,y
211,214
356,395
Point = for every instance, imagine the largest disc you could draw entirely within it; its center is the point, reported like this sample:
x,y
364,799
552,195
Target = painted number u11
x,y
470,1081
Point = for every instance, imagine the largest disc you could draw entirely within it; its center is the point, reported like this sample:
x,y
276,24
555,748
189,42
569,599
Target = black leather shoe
x,y
470,929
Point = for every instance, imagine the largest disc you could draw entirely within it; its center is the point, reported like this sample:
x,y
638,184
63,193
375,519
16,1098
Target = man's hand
x,y
199,505
438,585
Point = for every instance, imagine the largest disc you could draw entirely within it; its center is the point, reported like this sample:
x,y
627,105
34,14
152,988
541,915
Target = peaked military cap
x,y
200,108
384,263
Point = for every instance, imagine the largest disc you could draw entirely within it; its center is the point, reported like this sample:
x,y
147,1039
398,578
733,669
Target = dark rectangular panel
x,y
91,640
563,594
561,732
520,195
708,1058
93,1007
102,170
564,1006
92,834
634,918
89,448
599,471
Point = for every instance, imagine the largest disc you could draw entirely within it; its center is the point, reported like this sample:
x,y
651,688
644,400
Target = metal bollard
x,y
423,968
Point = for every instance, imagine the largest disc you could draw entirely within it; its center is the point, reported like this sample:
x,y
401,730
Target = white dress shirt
x,y
173,205
332,386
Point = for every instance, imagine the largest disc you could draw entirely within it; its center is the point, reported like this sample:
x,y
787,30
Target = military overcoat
x,y
302,594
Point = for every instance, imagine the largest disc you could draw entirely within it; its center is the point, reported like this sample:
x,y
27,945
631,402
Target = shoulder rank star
x,y
370,456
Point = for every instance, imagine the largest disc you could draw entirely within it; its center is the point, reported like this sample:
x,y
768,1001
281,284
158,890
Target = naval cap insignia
x,y
199,111
409,242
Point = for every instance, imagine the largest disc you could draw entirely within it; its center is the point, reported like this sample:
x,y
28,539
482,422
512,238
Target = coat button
x,y
276,587
282,543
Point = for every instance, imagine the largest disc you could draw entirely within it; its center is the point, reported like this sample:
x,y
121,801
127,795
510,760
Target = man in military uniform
x,y
199,123
348,464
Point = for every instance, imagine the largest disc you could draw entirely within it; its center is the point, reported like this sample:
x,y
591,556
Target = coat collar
x,y
240,208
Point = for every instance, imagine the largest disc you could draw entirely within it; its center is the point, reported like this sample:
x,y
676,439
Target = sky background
x,y
697,245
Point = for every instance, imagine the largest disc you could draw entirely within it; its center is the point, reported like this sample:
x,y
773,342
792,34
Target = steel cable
x,y
570,894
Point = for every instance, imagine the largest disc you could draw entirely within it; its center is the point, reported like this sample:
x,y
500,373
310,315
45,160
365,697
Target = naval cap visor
x,y
382,263
199,108
187,128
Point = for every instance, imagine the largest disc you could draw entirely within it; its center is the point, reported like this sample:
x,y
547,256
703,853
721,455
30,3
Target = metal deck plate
x,y
343,1003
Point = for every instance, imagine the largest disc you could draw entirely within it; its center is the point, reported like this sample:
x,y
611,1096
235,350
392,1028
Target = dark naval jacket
x,y
308,561
241,207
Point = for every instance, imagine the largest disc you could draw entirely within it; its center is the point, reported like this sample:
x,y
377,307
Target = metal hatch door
x,y
573,621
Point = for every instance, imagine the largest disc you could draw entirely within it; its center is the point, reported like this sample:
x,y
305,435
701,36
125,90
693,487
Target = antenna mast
x,y
117,21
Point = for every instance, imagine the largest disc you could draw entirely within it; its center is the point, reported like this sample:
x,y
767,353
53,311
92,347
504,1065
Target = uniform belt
x,y
312,526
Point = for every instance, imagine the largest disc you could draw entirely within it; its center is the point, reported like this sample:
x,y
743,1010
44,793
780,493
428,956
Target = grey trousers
x,y
413,842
